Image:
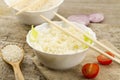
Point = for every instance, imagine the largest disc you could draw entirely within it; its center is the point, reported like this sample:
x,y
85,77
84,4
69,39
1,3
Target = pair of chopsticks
x,y
41,3
82,41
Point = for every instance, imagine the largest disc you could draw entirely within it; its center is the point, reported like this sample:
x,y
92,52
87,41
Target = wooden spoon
x,y
16,66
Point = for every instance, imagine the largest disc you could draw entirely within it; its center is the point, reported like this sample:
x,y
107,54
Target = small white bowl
x,y
33,17
60,61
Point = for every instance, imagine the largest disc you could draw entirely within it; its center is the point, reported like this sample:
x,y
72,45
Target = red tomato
x,y
110,53
90,70
104,60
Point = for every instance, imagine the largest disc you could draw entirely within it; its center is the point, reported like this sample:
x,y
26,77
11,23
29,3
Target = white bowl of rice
x,y
57,50
31,16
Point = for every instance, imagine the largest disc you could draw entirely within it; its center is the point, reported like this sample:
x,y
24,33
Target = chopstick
x,y
35,2
80,40
83,32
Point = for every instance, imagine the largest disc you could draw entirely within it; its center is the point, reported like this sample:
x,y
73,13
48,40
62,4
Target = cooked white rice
x,y
54,41
37,6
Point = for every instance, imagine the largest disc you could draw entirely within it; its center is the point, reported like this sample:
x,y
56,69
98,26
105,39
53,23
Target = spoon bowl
x,y
15,65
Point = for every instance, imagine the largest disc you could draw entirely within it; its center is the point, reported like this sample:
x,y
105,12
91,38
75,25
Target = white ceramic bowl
x,y
33,17
60,61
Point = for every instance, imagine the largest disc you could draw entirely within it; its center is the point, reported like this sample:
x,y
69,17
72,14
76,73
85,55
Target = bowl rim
x,y
53,7
80,51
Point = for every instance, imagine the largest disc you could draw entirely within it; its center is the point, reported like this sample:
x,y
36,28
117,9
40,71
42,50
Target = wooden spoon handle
x,y
17,72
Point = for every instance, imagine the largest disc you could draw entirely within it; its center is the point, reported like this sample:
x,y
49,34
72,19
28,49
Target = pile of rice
x,y
54,41
37,6
12,53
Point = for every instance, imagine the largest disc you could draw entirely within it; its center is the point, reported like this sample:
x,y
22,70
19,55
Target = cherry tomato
x,y
104,60
90,70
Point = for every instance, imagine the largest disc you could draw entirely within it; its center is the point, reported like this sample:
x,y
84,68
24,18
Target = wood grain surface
x,y
110,8
11,31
